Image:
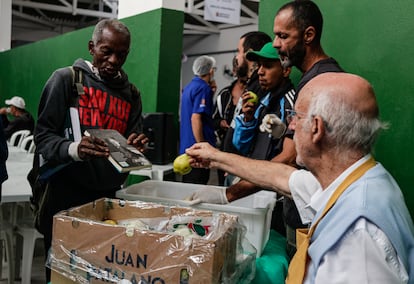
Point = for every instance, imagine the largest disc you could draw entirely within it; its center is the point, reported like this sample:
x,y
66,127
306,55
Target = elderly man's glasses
x,y
292,115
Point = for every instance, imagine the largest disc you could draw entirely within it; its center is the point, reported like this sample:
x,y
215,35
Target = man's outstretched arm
x,y
270,175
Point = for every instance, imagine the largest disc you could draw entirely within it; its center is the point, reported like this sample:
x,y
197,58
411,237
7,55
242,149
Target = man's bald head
x,y
348,107
356,92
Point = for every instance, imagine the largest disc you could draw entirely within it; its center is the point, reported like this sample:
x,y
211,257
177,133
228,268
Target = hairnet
x,y
203,64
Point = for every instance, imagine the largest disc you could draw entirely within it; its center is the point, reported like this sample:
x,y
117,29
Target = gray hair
x,y
109,23
346,128
203,64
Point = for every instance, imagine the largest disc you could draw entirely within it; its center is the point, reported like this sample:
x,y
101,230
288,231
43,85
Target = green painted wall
x,y
374,40
24,70
153,64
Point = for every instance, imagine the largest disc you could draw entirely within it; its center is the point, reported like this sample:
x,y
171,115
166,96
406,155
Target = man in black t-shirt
x,y
298,29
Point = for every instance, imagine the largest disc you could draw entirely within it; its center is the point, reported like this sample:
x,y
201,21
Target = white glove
x,y
273,125
215,195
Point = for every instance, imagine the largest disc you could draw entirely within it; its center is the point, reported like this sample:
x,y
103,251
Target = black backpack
x,y
39,175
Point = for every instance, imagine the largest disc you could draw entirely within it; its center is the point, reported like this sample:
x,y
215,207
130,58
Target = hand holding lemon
x,y
253,98
181,164
250,101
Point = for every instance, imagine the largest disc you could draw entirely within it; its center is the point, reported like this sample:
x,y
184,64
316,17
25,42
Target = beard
x,y
242,70
294,57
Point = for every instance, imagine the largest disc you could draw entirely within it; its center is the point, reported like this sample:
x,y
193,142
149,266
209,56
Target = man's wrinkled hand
x,y
92,147
215,195
200,154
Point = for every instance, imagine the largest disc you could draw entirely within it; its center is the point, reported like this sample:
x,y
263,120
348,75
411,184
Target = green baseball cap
x,y
267,52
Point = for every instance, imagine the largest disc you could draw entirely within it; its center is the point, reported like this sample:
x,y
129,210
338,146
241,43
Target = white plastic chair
x,y
17,137
32,148
30,235
28,144
6,234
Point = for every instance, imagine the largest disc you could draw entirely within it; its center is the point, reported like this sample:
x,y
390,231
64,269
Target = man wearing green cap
x,y
260,129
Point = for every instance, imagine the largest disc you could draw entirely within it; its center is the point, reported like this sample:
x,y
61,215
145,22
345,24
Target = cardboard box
x,y
87,250
60,279
254,211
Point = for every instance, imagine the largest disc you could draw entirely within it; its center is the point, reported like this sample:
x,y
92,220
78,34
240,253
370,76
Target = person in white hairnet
x,y
15,117
196,122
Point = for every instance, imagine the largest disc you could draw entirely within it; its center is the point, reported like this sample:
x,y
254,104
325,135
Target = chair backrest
x,y
17,137
27,143
32,147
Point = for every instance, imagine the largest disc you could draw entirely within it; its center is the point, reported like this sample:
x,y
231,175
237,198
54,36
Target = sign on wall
x,y
223,11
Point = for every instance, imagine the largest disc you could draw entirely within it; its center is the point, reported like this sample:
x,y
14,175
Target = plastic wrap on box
x,y
150,243
254,211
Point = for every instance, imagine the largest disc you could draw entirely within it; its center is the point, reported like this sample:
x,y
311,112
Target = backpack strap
x,y
77,81
72,124
77,78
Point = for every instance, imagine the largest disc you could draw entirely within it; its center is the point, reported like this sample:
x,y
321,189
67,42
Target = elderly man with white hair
x,y
361,230
196,114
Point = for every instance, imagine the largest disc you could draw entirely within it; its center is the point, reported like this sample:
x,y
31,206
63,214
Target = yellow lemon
x,y
110,222
181,164
254,98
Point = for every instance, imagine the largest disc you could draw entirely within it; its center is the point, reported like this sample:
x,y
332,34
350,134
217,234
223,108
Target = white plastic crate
x,y
255,211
